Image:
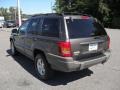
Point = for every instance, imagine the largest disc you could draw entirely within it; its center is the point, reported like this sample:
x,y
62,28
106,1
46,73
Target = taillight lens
x,y
108,42
65,49
85,17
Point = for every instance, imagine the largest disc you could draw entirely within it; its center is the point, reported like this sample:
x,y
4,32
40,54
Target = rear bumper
x,y
69,65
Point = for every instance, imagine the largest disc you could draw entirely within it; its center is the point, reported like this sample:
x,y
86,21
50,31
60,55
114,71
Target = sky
x,y
30,6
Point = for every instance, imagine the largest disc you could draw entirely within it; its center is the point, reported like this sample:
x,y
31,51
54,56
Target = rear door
x,y
88,38
48,34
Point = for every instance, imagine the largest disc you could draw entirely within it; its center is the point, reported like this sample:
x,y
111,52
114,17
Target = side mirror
x,y
14,31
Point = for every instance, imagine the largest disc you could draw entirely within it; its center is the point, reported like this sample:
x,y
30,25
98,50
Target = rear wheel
x,y
43,69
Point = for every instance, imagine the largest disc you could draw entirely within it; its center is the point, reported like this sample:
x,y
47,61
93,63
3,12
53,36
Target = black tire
x,y
86,69
13,49
47,71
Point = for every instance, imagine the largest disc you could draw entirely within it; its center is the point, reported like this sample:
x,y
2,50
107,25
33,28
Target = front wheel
x,y
12,47
42,67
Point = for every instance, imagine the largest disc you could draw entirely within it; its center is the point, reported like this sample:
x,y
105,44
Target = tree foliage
x,y
10,13
3,12
104,10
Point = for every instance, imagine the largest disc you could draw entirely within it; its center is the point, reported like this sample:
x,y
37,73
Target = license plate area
x,y
93,47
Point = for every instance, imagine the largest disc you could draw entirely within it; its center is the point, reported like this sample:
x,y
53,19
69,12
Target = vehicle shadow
x,y
60,78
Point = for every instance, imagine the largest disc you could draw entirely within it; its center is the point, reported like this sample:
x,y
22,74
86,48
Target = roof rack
x,y
74,13
61,14
52,14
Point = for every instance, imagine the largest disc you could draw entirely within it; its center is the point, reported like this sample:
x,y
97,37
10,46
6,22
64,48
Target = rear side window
x,y
83,28
51,27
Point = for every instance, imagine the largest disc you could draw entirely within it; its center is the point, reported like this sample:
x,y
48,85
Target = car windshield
x,y
83,28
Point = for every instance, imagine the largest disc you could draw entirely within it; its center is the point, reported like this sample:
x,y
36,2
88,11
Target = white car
x,y
1,24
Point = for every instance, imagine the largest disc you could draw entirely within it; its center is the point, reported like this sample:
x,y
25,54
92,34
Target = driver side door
x,y
20,37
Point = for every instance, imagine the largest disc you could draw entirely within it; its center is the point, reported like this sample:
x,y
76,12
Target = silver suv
x,y
64,42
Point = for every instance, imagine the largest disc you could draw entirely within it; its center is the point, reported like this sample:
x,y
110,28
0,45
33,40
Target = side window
x,y
23,28
32,26
40,21
51,27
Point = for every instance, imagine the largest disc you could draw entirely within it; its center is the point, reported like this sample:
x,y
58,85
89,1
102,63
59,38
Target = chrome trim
x,y
78,62
60,56
100,41
92,62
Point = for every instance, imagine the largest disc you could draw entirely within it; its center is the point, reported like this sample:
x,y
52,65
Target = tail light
x,y
65,49
108,42
85,17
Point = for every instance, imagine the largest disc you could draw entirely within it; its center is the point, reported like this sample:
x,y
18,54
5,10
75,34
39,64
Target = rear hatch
x,y
87,37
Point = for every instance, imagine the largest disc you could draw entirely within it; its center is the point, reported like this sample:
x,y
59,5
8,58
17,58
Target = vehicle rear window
x,y
83,28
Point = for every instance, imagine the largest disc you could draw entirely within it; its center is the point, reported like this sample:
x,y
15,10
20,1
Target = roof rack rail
x,y
46,14
61,14
74,13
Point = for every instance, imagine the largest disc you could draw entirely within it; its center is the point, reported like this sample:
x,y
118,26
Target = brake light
x,y
65,49
108,42
85,17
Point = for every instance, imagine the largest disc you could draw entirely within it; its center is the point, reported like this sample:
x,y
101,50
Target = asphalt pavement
x,y
18,73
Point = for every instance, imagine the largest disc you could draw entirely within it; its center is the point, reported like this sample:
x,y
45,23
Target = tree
x,y
10,13
96,8
115,12
115,7
4,12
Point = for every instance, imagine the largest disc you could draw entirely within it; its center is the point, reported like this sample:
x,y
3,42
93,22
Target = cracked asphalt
x,y
17,73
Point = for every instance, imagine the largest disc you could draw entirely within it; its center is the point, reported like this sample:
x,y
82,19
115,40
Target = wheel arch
x,y
38,51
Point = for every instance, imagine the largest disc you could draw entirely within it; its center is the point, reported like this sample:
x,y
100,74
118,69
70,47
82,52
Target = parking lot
x,y
17,73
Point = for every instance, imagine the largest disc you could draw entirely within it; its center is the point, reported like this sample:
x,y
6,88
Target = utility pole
x,y
19,14
15,13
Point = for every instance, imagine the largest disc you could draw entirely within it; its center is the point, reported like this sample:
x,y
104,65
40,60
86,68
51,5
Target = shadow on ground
x,y
60,78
